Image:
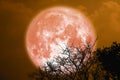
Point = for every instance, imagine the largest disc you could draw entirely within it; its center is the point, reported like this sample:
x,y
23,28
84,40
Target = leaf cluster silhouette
x,y
110,59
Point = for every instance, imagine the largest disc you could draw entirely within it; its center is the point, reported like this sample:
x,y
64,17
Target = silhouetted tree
x,y
68,64
110,59
103,64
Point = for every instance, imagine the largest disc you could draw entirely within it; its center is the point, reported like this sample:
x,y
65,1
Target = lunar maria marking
x,y
54,28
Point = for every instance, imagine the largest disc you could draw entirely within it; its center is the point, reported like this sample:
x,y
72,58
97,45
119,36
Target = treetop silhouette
x,y
110,58
103,64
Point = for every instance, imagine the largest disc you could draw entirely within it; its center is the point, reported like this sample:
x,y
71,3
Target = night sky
x,y
16,15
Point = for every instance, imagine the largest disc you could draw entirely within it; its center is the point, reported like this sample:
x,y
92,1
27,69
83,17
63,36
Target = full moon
x,y
54,28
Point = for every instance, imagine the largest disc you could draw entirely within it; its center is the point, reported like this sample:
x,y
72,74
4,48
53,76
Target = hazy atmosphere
x,y
16,15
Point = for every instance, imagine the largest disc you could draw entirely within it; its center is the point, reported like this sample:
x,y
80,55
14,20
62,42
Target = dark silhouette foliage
x,y
102,64
110,58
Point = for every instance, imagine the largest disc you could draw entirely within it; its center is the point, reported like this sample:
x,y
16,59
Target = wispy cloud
x,y
107,22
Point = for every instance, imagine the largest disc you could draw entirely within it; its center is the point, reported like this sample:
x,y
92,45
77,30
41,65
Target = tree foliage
x,y
110,59
103,64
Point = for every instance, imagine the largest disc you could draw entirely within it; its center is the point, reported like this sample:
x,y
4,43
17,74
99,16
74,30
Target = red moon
x,y
55,27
